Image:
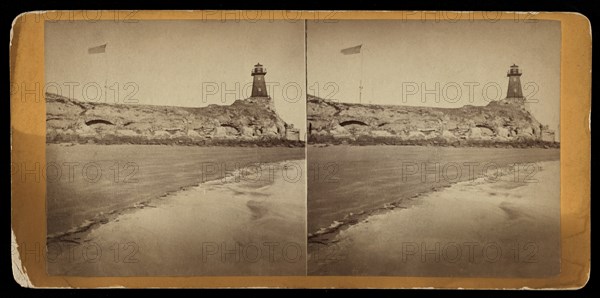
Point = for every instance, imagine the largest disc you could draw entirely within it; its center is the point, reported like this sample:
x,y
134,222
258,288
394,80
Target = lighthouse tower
x,y
514,92
259,87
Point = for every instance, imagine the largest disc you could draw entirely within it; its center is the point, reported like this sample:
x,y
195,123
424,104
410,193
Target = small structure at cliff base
x,y
291,133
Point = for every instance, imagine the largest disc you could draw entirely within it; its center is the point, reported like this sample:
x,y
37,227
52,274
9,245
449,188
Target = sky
x,y
189,63
438,64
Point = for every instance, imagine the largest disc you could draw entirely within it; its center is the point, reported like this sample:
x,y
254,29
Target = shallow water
x,y
85,181
356,179
471,228
222,227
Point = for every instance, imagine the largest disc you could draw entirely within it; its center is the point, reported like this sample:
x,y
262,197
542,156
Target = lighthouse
x,y
514,92
259,87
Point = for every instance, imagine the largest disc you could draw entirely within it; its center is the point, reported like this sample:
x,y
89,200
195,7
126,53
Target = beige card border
x,y
28,145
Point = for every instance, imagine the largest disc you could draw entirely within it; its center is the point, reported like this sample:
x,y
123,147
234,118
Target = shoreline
x,y
79,232
380,238
267,143
321,145
85,179
321,236
427,143
326,234
223,227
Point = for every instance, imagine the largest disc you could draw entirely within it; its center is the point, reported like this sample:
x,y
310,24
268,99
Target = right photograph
x,y
433,148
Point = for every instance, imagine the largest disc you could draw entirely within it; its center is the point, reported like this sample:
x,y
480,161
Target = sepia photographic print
x,y
300,149
175,148
303,148
433,148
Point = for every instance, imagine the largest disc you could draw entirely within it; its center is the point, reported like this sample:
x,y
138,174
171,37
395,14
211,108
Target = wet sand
x,y
502,228
249,226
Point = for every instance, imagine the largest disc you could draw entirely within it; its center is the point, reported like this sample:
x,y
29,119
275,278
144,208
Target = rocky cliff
x,y
248,121
504,121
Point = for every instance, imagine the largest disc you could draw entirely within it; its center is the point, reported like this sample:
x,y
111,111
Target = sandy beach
x,y
496,228
252,224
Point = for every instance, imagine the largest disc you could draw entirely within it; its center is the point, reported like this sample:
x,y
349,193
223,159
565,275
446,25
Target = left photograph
x,y
175,148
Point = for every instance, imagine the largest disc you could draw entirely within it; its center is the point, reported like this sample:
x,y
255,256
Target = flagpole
x,y
360,87
351,51
106,78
